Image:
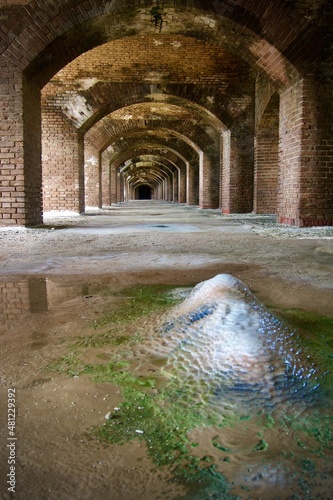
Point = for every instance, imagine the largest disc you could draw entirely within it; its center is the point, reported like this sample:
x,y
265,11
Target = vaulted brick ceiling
x,y
190,72
171,83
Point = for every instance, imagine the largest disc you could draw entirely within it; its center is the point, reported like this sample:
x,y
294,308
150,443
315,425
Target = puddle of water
x,y
223,438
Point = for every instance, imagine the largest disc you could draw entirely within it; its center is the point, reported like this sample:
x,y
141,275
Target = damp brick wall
x,y
14,302
290,125
92,176
12,175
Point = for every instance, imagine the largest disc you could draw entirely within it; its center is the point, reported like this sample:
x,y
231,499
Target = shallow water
x,y
268,398
268,436
232,353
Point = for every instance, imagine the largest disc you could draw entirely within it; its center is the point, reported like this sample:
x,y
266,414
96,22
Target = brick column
x,y
120,188
225,172
181,182
306,158
105,180
169,188
92,177
113,184
209,178
238,167
175,186
63,157
20,149
192,185
266,160
13,304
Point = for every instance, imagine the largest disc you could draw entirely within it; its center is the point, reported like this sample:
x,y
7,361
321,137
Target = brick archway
x,y
277,41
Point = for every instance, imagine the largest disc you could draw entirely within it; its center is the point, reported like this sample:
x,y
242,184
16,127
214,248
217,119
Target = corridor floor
x,y
58,279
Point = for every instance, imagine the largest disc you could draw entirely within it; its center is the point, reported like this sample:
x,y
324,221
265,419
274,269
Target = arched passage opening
x,y
143,192
44,38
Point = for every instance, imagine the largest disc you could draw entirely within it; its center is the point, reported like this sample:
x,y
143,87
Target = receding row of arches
x,y
175,166
218,107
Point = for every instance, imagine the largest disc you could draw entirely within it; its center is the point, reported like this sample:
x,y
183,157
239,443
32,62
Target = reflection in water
x,y
37,289
219,352
34,295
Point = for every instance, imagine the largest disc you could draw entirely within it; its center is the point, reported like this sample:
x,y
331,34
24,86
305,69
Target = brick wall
x,y
198,74
209,177
20,149
316,177
32,155
92,177
290,160
238,167
225,172
114,198
306,160
105,179
266,159
62,163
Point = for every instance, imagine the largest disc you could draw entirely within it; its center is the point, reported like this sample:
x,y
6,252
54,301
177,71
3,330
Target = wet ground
x,y
67,307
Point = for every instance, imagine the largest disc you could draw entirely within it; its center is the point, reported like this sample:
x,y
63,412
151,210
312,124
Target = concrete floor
x,y
165,241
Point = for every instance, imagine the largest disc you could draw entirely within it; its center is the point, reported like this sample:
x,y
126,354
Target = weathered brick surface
x,y
128,163
306,175
267,159
62,164
92,176
209,177
237,167
20,149
203,85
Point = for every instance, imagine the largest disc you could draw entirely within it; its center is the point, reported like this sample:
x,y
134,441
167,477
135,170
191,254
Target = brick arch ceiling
x,y
159,155
162,138
155,156
152,168
155,117
149,159
133,169
162,152
42,37
175,69
151,177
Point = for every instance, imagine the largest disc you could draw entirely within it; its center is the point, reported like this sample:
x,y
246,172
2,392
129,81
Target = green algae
x,y
159,417
141,302
164,425
110,337
318,426
69,365
262,445
216,443
315,333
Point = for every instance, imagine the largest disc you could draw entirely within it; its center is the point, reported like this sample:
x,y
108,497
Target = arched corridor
x,y
217,104
148,146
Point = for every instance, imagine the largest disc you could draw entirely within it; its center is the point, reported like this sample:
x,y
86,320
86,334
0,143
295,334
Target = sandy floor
x,y
51,278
